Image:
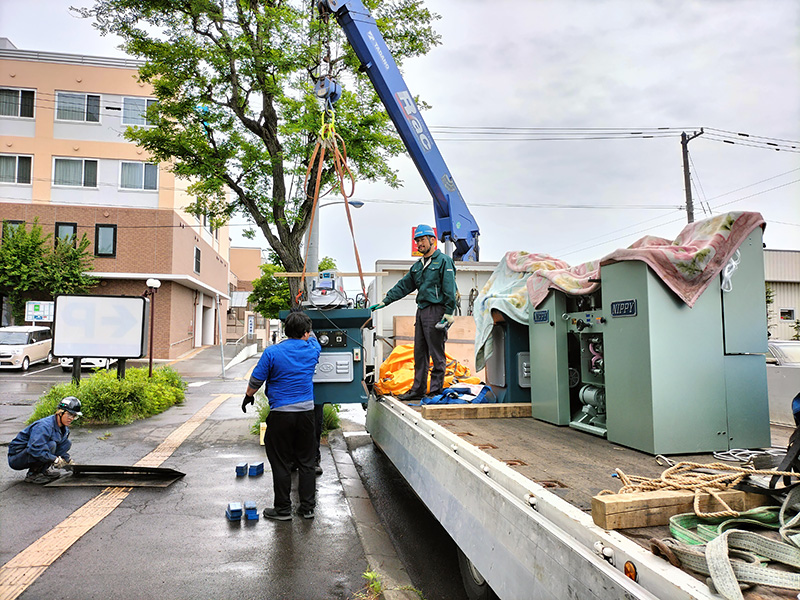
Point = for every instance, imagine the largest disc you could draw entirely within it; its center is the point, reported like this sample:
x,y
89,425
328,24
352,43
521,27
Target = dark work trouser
x,y
429,342
290,438
23,460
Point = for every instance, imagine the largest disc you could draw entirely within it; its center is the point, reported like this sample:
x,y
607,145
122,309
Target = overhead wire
x,y
706,208
712,208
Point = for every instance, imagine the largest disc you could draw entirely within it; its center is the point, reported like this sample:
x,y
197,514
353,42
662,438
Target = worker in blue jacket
x,y
434,278
286,370
45,443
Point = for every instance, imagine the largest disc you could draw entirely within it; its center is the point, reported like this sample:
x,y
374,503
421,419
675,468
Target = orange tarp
x,y
397,372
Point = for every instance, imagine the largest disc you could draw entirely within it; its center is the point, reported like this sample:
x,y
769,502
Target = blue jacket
x,y
37,436
287,370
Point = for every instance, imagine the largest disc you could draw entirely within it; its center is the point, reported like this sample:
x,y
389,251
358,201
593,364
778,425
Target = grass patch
x,y
106,400
330,415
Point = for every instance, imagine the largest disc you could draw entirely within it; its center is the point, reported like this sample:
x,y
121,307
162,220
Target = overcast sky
x,y
730,65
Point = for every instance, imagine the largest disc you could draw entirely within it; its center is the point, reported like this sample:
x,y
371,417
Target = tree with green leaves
x,y
271,294
236,111
32,269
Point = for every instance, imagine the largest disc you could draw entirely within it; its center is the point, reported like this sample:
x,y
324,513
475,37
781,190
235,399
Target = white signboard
x,y
39,312
251,325
100,326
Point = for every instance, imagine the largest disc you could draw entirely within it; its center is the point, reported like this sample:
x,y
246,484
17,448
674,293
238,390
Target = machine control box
x,y
334,367
332,339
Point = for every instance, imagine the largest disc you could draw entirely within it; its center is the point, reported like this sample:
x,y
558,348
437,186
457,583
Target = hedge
x,y
106,400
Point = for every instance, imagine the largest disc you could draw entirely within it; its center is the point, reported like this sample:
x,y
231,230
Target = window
x,y
15,169
787,314
134,111
41,336
9,226
16,103
138,176
105,240
196,259
78,107
75,172
66,232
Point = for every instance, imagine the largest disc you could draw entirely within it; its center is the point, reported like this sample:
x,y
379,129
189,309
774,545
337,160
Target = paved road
x,y
176,542
424,547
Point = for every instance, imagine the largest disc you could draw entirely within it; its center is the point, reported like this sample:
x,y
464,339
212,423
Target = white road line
x,y
40,370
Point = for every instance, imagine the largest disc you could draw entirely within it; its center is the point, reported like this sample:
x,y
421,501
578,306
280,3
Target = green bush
x,y
330,415
106,400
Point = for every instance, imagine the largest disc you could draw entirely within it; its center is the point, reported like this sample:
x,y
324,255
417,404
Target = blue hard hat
x,y
422,230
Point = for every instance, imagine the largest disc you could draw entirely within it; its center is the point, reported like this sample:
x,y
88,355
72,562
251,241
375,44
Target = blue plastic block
x,y
241,469
250,505
256,469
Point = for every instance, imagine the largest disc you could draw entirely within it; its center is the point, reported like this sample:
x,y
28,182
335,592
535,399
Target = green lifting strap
x,y
693,530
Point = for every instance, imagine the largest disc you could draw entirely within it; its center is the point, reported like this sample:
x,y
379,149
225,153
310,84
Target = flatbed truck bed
x,y
515,495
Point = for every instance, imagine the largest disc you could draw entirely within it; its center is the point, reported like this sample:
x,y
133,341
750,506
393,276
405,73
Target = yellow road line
x,y
22,570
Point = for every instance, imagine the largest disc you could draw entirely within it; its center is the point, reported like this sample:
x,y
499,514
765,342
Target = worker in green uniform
x,y
434,278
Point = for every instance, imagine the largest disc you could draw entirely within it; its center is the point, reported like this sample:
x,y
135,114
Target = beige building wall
x,y
155,236
246,263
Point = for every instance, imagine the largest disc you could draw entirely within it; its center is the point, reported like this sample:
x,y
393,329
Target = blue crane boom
x,y
454,221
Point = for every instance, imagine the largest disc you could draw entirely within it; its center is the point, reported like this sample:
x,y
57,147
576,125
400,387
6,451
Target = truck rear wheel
x,y
474,583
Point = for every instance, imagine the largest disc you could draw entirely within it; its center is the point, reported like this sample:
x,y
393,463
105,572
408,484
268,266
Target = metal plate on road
x,y
118,476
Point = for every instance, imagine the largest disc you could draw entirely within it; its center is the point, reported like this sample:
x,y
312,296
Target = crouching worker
x,y
286,370
45,443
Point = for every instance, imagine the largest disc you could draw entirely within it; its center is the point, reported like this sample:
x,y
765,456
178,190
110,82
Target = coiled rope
x,y
685,476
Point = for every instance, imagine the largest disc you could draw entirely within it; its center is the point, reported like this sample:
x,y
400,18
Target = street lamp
x,y
152,288
312,236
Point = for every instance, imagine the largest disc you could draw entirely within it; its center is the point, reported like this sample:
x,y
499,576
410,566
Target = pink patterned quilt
x,y
687,264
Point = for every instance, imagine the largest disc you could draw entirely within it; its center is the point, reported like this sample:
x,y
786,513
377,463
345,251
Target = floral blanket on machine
x,y
687,265
507,292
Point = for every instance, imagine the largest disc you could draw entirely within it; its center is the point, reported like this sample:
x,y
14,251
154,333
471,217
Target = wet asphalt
x,y
176,542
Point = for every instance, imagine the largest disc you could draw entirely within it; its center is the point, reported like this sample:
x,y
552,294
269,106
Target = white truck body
x,y
525,540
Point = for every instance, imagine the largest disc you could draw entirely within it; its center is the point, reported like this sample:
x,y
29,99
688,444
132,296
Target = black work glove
x,y
248,399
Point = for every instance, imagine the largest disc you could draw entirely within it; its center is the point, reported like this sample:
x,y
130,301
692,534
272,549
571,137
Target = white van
x,y
87,363
24,345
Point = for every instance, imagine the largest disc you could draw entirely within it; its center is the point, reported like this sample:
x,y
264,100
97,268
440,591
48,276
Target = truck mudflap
x,y
524,540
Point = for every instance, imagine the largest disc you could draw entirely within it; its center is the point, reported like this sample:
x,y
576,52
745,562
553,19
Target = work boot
x,y
271,513
41,477
409,395
306,513
318,468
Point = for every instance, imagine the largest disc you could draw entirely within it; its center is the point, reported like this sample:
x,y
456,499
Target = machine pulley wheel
x,y
574,377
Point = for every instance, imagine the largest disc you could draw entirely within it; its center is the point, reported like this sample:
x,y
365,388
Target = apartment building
x,y
64,161
244,324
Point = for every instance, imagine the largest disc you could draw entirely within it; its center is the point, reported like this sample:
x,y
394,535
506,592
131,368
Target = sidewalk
x,y
176,542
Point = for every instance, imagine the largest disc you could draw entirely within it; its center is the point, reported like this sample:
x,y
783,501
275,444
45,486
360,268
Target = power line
x,y
777,187
548,205
675,220
750,136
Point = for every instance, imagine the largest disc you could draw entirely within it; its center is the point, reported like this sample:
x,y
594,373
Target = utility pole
x,y
685,139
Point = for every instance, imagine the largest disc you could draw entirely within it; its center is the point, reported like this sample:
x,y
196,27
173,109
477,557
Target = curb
x,y
378,548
